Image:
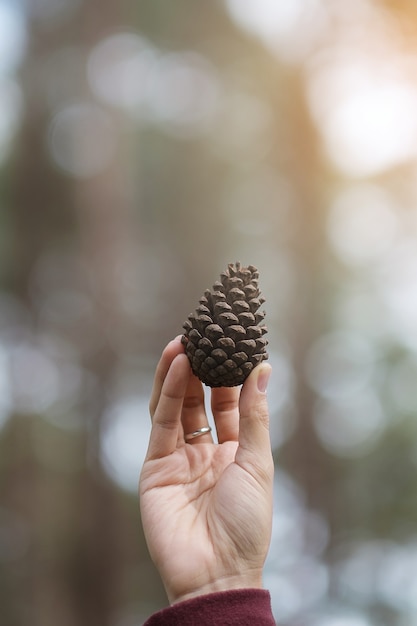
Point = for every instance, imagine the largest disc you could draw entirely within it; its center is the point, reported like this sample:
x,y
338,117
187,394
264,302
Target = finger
x,y
254,451
194,411
225,409
174,348
166,423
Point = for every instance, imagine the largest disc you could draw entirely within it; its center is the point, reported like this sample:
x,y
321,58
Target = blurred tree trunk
x,y
78,584
303,455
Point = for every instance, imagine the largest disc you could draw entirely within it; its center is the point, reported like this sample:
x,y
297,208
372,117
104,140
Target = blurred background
x,y
144,145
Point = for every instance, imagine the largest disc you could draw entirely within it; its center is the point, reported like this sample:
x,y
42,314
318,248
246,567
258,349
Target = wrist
x,y
250,580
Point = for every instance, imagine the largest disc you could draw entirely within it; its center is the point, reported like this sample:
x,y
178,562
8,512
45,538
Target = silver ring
x,y
198,433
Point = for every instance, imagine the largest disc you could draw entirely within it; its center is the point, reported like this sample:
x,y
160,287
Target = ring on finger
x,y
197,433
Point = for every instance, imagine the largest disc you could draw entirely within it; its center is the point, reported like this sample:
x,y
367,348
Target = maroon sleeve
x,y
238,607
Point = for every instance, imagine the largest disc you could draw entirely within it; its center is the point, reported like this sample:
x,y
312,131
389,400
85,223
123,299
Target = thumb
x,y
254,442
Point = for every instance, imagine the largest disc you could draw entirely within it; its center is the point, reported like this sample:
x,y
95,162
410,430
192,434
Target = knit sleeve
x,y
238,607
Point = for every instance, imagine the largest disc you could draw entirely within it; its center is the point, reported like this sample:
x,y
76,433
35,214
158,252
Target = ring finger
x,y
194,415
225,409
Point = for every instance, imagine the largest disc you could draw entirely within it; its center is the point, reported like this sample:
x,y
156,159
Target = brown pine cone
x,y
224,339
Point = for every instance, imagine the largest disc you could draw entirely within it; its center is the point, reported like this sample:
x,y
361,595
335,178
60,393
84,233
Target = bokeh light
x,y
363,224
290,29
184,94
82,139
381,570
373,129
12,37
5,387
397,282
340,364
295,574
179,92
124,441
341,618
350,426
120,69
34,379
12,49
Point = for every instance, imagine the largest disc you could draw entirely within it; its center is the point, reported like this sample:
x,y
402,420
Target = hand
x,y
207,508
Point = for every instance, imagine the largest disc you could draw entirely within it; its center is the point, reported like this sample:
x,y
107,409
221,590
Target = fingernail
x,y
263,378
177,338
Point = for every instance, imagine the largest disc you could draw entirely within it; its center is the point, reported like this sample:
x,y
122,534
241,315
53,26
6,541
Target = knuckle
x,y
192,402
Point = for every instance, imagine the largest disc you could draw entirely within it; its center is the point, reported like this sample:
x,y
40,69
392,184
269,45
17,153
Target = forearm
x,y
240,607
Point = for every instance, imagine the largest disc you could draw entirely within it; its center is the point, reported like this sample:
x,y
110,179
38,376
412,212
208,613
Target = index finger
x,y
172,350
167,417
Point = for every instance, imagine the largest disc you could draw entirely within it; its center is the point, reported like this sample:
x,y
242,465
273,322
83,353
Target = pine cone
x,y
223,339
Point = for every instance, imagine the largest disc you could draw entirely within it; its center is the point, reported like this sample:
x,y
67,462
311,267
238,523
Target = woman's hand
x,y
206,507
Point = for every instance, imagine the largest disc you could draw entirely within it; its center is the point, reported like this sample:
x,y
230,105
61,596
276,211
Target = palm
x,y
199,502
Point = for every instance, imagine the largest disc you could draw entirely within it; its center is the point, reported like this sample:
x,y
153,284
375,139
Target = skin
x,y
207,507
